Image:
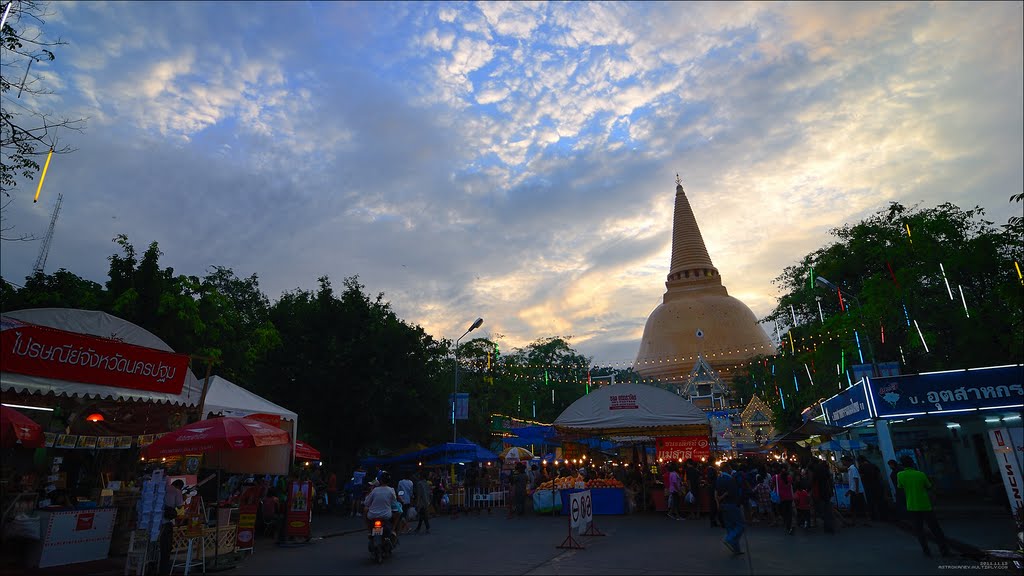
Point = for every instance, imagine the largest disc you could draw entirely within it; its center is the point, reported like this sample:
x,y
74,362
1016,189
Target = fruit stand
x,y
609,495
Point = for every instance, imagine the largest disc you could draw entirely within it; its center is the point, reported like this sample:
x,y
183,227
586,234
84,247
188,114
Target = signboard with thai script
x,y
848,407
1000,387
684,447
622,402
51,353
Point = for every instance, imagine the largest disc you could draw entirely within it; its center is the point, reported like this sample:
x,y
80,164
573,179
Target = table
x,y
73,536
605,500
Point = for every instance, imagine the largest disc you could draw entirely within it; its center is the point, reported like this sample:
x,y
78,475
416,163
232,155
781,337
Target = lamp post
x,y
871,350
455,390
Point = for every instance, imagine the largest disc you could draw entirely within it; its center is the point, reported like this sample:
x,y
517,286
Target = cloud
x,y
516,161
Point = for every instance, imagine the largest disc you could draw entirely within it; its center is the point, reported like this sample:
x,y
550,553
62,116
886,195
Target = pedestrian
x,y
405,498
421,497
784,488
764,500
855,491
822,488
173,501
897,497
915,485
803,506
709,482
727,495
874,497
673,492
521,482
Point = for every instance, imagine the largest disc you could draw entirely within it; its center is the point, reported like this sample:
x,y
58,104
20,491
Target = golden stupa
x,y
697,318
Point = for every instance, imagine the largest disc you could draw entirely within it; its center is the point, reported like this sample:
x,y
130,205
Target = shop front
x,y
943,420
100,388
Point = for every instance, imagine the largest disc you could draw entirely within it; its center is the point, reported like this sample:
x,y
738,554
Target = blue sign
x,y
460,406
953,391
848,407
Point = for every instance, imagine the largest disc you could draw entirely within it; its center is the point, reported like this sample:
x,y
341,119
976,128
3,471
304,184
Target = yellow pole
x,y
43,177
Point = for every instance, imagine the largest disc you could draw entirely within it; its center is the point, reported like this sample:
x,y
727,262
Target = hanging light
x,y
95,417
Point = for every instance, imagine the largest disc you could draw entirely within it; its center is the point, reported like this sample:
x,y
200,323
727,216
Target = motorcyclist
x,y
380,502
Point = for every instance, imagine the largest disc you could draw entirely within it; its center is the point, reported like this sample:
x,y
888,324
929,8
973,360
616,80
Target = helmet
x,y
385,478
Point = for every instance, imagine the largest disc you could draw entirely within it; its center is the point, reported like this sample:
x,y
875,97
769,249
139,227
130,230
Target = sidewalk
x,y
976,526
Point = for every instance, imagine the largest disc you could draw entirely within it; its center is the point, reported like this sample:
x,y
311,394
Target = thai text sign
x,y
946,391
848,407
51,353
685,447
246,526
622,402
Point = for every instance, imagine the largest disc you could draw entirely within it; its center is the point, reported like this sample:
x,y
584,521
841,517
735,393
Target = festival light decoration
x,y
893,274
43,176
859,353
908,233
906,314
6,12
961,289
1019,275
796,383
809,377
820,313
842,306
902,357
941,267
791,311
916,325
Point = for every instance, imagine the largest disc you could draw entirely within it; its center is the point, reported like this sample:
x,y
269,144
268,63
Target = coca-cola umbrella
x,y
216,435
304,451
16,428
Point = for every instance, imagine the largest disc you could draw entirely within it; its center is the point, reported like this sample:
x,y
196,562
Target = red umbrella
x,y
16,428
304,451
217,434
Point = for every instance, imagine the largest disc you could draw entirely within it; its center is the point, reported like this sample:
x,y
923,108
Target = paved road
x,y
638,544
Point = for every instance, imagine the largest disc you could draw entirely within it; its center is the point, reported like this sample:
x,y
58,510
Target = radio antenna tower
x,y
44,250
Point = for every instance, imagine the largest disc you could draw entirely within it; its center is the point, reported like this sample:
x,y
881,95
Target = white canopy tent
x,y
229,399
103,325
623,410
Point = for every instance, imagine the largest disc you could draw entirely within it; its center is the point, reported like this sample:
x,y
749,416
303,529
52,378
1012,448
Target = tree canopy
x,y
944,270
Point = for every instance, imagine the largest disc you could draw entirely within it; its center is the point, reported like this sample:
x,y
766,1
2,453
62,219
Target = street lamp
x,y
871,350
455,391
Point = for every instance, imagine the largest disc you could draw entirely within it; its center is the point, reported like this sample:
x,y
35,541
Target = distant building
x,y
698,335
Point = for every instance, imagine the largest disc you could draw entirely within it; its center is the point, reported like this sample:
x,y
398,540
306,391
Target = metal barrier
x,y
477,500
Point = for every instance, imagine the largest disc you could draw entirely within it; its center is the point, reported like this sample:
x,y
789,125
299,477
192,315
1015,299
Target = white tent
x,y
229,399
103,325
632,410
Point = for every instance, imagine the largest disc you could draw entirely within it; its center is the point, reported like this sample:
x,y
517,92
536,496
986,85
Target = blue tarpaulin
x,y
448,453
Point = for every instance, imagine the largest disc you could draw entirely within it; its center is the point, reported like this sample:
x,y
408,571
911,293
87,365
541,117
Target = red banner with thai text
x,y
683,447
299,511
61,355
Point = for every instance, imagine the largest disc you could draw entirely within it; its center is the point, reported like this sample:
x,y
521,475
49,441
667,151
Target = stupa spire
x,y
690,260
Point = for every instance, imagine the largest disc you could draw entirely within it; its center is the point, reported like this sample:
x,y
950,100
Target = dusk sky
x,y
514,161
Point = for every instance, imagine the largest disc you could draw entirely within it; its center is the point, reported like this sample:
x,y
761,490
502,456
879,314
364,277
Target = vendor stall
x,y
631,413
225,398
100,388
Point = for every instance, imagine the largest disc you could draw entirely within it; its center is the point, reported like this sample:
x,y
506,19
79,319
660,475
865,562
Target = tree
x,y
893,282
27,132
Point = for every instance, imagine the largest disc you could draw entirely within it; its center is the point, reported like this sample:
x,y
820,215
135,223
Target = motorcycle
x,y
382,540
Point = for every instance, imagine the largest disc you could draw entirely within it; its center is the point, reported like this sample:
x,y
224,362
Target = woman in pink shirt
x,y
784,487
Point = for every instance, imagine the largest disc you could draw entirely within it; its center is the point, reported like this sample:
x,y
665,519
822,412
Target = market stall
x,y
233,445
630,413
100,388
225,398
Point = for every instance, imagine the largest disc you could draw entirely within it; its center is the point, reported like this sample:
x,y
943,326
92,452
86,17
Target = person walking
x,y
900,503
855,491
421,498
822,488
727,495
521,480
673,492
173,501
915,485
873,494
784,488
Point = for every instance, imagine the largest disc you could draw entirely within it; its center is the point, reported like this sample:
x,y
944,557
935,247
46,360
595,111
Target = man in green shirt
x,y
915,487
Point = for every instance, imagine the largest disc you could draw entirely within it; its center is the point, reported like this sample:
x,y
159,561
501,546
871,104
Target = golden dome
x,y
697,315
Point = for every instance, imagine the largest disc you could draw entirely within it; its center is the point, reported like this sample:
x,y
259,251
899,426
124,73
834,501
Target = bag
x,y
412,515
444,500
690,498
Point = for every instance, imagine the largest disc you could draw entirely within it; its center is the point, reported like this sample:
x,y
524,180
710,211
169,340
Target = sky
x,y
513,161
